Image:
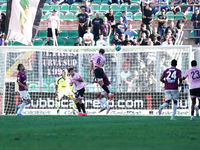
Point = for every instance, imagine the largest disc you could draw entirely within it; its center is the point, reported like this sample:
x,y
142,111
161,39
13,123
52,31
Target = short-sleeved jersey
x,y
54,20
171,78
98,60
194,77
21,77
105,80
79,85
63,84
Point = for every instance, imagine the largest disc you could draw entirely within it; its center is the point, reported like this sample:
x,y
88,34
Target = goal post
x,y
134,73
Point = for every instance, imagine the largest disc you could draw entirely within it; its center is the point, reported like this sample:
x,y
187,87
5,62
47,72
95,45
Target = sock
x,y
58,105
100,101
106,89
104,101
174,110
165,105
192,112
21,107
82,107
74,105
78,107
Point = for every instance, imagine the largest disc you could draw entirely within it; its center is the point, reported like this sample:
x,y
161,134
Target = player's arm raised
x,y
162,78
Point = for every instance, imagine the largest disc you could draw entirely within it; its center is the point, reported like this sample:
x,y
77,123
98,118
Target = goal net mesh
x,y
134,73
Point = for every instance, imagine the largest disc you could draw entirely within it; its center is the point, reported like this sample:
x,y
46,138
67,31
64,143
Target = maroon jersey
x,y
21,77
105,80
171,78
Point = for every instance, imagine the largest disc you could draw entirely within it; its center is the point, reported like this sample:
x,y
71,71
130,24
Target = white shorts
x,y
66,93
104,92
24,95
171,95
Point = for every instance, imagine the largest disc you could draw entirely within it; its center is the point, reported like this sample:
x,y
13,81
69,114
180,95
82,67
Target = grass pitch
x,y
98,133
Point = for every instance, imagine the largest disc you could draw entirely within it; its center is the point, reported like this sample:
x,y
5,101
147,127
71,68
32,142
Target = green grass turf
x,y
98,133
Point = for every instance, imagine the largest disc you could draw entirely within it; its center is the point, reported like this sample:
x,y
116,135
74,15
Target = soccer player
x,y
23,89
76,79
171,76
63,87
194,78
98,61
101,95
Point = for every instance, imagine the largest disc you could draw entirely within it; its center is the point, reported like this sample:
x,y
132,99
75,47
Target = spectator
x,y
155,34
196,25
162,23
125,73
70,2
80,42
88,38
101,42
2,40
172,28
96,22
120,27
180,23
122,39
134,41
129,1
116,40
82,18
176,6
124,17
50,18
155,41
189,8
143,39
149,42
164,5
110,18
147,17
168,41
86,6
119,2
169,33
105,29
154,5
127,41
144,30
131,32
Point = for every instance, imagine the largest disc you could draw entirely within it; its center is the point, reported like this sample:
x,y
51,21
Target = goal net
x,y
134,73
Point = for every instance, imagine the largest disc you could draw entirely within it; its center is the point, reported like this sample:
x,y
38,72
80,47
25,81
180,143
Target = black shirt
x,y
144,41
77,44
145,31
195,18
155,35
174,30
164,25
82,17
116,42
96,23
110,18
124,43
120,28
149,16
157,43
87,9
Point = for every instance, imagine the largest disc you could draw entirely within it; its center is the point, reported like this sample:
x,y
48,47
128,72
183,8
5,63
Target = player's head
x,y
21,67
71,71
174,62
101,51
64,73
194,63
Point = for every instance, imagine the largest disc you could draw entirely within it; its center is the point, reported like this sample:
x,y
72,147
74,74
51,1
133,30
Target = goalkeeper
x,y
63,87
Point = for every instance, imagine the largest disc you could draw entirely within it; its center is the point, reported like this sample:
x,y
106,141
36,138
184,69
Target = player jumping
x,y
23,90
171,76
98,61
194,78
63,87
76,79
101,95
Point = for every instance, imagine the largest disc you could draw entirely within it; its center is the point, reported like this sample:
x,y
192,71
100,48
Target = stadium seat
x,y
156,15
44,87
73,9
115,7
15,43
64,34
101,15
117,15
64,8
105,1
61,42
188,15
48,1
137,35
104,8
170,15
33,88
43,34
134,7
96,1
46,15
129,15
74,34
54,7
184,6
46,8
69,16
50,42
137,16
48,80
192,33
51,88
4,7
123,8
95,7
69,42
9,43
61,16
135,1
38,42
179,15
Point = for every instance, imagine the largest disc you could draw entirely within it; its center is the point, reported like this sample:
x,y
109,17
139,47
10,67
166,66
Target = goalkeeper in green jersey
x,y
63,87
